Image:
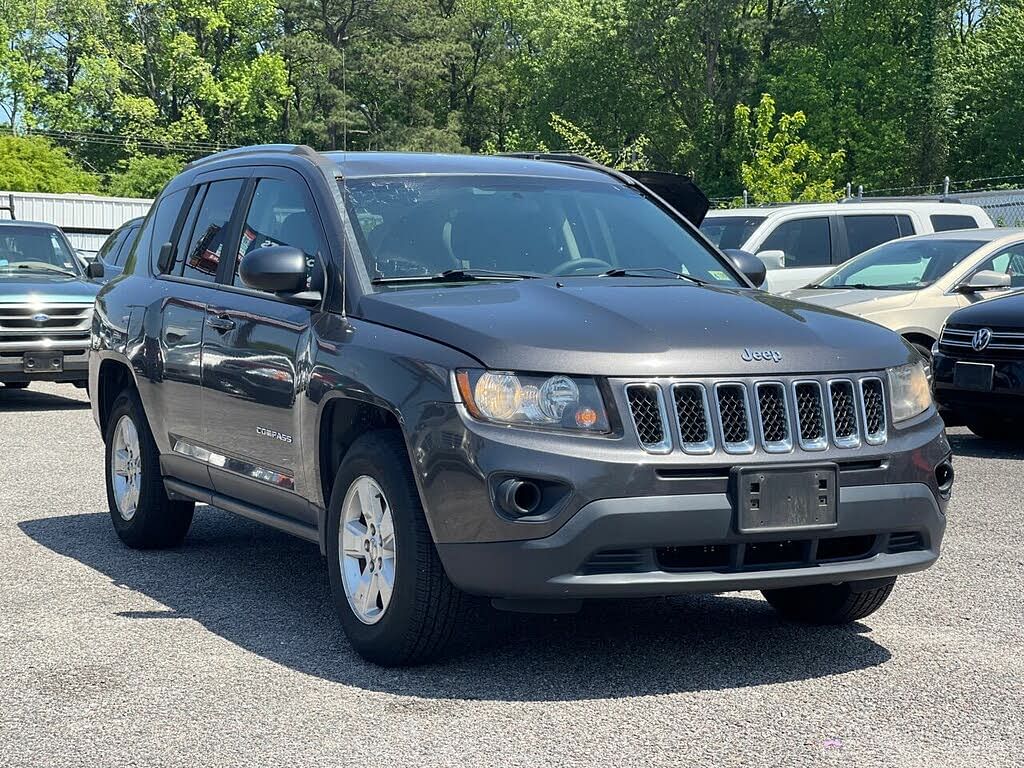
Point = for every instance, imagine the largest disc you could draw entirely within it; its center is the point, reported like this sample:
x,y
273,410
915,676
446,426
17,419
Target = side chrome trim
x,y
708,446
236,466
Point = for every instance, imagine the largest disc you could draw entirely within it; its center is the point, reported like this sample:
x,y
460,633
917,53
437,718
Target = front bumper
x,y
75,368
629,547
1006,398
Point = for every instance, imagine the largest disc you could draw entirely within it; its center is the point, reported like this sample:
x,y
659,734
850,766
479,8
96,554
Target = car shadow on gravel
x,y
968,444
12,400
267,593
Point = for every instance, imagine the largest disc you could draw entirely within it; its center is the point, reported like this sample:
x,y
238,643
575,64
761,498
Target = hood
x,y
852,300
1001,312
641,327
17,287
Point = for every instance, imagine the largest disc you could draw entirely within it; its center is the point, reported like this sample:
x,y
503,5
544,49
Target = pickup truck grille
x,y
741,417
58,326
1004,343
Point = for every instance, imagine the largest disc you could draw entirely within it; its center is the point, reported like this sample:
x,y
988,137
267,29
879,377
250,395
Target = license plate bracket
x,y
974,376
42,362
786,498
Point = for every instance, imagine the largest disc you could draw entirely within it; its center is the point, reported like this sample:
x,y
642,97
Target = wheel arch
x,y
113,377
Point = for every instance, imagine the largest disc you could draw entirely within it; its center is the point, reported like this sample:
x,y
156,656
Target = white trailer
x,y
85,219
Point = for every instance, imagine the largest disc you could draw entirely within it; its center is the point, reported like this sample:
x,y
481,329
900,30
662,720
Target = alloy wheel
x,y
126,467
366,549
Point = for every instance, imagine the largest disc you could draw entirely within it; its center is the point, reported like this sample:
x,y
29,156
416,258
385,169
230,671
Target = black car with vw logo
x,y
523,380
978,367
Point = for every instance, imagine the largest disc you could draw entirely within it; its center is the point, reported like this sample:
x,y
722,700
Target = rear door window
x,y
864,232
208,227
806,242
108,250
946,222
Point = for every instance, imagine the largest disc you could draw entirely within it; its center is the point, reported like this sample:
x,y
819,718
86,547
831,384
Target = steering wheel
x,y
575,265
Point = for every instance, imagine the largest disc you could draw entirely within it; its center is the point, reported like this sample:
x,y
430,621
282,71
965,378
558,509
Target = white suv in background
x,y
800,243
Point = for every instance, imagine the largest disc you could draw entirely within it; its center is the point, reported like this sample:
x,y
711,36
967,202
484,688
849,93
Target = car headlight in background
x,y
910,391
557,402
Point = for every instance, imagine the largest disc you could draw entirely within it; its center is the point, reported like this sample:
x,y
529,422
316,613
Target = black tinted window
x,y
865,232
944,222
806,242
730,231
110,246
124,246
211,213
281,213
159,227
906,225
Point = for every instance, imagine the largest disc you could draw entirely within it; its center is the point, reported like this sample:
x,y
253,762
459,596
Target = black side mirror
x,y
94,270
752,267
275,269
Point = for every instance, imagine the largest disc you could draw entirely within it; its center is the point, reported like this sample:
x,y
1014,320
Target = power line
x,y
114,139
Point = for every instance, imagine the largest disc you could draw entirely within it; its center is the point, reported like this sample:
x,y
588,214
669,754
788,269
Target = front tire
x,y
830,603
143,515
390,590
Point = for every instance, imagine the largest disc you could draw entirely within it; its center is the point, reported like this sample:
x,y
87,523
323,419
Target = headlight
x,y
557,402
911,394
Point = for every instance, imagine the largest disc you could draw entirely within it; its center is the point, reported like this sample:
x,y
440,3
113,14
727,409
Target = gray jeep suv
x,y
528,380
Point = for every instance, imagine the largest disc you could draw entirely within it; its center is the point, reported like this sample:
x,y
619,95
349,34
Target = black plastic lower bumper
x,y
898,529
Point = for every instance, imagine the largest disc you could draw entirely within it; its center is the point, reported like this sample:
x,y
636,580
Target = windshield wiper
x,y
864,287
646,272
58,270
456,275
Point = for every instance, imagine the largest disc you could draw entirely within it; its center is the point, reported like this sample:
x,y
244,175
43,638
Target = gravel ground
x,y
226,652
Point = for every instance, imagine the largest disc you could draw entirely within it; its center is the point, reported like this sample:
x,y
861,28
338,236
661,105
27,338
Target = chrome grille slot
x,y
734,418
842,410
647,407
872,395
57,327
810,416
773,416
694,418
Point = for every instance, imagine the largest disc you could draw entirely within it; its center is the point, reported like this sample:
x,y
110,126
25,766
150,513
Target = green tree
x,y
778,165
144,175
32,164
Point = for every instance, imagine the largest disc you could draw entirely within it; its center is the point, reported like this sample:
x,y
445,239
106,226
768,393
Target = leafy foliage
x,y
906,90
144,175
779,166
35,165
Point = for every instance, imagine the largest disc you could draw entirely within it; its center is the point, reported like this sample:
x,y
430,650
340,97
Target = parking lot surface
x,y
227,652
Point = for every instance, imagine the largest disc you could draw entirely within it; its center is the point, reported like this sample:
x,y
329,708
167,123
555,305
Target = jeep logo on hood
x,y
761,355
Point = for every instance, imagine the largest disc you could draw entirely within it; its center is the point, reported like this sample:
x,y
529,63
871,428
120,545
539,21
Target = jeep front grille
x,y
741,417
648,409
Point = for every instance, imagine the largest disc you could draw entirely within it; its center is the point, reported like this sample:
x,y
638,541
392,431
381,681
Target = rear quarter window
x,y
946,222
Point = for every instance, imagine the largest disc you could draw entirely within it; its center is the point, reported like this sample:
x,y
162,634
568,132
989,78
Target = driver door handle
x,y
221,323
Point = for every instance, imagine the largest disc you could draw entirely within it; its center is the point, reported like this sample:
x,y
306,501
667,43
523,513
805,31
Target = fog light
x,y
944,477
518,497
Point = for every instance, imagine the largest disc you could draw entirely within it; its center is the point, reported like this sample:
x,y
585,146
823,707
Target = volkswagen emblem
x,y
981,339
40,318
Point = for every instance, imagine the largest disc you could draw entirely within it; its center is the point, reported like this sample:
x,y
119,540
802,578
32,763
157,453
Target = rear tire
x,y
830,603
413,620
994,429
143,515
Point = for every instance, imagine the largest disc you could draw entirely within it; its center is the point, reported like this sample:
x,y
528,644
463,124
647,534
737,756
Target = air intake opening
x,y
710,557
845,547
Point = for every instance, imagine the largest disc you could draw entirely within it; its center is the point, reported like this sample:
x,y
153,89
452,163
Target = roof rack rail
x,y
556,157
292,149
903,199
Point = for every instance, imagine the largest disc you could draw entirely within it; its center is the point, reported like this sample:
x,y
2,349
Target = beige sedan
x,y
912,285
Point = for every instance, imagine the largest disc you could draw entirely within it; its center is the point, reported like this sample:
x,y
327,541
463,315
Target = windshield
x,y
730,231
902,265
426,225
35,249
